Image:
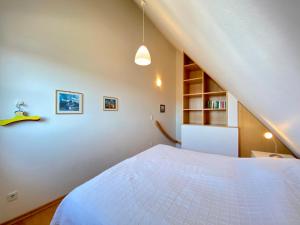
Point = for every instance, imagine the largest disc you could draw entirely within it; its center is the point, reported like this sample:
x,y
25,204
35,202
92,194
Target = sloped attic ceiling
x,y
251,47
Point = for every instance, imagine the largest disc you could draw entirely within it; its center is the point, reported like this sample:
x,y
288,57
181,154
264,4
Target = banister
x,y
159,126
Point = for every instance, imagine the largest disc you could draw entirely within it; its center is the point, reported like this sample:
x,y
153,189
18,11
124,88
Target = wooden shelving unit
x,y
204,101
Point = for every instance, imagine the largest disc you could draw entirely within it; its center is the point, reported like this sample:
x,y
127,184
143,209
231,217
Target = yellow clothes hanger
x,y
20,116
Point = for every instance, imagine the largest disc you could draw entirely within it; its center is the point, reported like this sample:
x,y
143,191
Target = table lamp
x,y
269,135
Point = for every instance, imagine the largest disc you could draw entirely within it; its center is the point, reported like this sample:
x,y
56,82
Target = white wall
x,y
211,139
179,93
232,111
85,46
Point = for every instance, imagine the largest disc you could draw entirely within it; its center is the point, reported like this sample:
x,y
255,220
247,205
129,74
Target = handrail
x,y
166,134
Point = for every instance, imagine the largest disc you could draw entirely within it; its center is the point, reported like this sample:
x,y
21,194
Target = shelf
x,y
199,89
207,125
215,125
215,93
206,109
193,95
192,109
192,67
193,80
211,109
200,124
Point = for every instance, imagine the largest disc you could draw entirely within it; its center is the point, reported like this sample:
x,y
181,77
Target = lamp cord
x,y
143,21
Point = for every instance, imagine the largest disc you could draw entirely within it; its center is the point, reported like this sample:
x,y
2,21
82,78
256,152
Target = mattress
x,y
168,186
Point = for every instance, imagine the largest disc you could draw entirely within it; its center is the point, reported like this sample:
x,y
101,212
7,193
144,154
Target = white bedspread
x,y
169,186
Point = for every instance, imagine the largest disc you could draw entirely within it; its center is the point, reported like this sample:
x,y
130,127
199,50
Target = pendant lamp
x,y
142,56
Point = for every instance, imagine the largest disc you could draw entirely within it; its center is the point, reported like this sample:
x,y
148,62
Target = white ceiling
x,y
251,47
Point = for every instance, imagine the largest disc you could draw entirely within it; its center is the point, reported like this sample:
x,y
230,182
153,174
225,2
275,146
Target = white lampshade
x,y
142,56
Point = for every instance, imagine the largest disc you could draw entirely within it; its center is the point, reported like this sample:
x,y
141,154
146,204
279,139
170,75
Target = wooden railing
x,y
159,126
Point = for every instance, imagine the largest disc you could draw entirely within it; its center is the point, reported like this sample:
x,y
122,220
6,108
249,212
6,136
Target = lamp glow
x,y
142,56
158,82
268,135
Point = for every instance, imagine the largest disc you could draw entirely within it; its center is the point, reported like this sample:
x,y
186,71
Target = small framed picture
x,y
162,108
110,104
69,102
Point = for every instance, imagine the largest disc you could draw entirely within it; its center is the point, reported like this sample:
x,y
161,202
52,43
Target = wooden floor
x,y
40,216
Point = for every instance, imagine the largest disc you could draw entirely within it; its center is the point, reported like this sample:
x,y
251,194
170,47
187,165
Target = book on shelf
x,y
216,104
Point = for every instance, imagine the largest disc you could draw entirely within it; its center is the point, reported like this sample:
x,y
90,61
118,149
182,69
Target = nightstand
x,y
258,154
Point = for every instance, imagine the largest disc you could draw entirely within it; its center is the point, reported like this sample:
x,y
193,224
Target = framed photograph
x,y
110,103
162,108
69,102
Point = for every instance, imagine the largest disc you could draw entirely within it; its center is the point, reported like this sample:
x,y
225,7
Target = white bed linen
x,y
169,186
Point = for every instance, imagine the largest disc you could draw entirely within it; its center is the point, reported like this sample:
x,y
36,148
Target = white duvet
x,y
169,186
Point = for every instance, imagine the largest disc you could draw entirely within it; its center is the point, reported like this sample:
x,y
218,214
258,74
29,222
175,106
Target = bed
x,y
168,186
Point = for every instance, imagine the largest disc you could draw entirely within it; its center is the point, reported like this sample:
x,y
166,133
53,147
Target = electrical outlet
x,y
12,196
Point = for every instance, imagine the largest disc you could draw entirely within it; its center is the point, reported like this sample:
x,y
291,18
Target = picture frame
x,y
68,102
110,103
162,108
